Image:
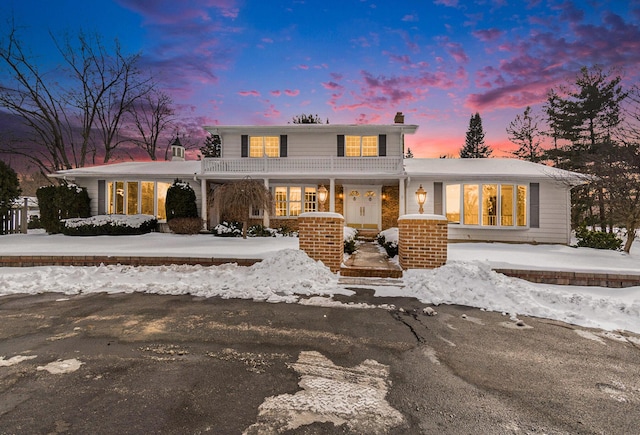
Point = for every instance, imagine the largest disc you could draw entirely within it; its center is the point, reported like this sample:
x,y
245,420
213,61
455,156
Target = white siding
x,y
554,216
91,184
306,144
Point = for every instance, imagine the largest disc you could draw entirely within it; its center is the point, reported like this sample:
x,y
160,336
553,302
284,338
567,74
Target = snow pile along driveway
x,y
476,285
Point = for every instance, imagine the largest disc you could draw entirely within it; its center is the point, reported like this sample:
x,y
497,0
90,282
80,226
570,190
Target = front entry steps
x,y
368,261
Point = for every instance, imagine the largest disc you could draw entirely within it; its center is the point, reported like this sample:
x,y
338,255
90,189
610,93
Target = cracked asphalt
x,y
141,363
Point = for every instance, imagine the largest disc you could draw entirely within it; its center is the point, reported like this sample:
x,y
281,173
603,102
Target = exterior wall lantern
x,y
322,196
421,197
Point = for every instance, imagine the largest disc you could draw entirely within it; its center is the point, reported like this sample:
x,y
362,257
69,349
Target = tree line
x,y
591,126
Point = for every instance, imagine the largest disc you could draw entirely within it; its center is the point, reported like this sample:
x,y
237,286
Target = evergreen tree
x,y
9,187
585,118
212,146
474,146
524,132
307,119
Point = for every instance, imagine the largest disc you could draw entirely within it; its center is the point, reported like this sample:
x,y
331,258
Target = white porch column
x,y
332,195
401,199
265,216
203,206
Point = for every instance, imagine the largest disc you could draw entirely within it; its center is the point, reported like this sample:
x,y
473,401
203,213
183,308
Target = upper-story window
x,y
365,146
261,146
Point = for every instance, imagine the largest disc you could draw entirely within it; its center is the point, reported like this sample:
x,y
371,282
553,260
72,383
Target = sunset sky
x,y
354,61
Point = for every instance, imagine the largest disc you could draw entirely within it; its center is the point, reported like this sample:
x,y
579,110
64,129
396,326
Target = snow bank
x,y
476,285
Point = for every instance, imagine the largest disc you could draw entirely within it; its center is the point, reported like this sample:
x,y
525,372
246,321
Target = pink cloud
x,y
487,35
412,18
291,92
275,93
271,112
331,86
449,3
253,93
303,66
457,52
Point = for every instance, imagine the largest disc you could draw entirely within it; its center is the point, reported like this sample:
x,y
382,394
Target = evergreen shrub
x,y
180,201
390,247
57,203
597,239
110,225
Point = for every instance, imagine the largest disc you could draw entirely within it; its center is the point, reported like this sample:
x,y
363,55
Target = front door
x,y
362,206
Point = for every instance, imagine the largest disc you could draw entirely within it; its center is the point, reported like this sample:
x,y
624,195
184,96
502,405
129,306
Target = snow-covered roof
x,y
463,169
169,169
312,128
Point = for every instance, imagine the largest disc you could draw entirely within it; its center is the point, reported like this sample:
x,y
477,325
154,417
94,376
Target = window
x,y
491,205
290,201
365,146
261,146
139,197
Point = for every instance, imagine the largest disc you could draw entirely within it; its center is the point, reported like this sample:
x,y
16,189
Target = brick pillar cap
x,y
426,217
324,214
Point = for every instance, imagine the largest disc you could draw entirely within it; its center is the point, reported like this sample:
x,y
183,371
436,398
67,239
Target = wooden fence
x,y
15,220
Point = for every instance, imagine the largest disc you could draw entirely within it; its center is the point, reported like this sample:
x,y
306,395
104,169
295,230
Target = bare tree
x,y
237,198
152,115
524,132
69,109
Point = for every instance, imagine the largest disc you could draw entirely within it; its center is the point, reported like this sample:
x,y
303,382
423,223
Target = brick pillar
x,y
422,241
321,236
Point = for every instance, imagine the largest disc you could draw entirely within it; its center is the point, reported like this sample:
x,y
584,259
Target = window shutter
x,y
382,145
244,145
101,197
341,145
534,208
437,198
283,145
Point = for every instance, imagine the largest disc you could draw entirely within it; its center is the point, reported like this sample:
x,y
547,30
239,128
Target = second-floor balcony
x,y
304,165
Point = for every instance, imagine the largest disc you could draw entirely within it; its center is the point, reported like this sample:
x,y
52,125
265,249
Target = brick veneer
x,y
321,236
422,241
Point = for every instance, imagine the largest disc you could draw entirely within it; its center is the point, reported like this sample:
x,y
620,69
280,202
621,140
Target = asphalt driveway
x,y
137,363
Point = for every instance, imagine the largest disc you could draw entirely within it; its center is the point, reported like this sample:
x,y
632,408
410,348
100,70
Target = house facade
x,y
366,176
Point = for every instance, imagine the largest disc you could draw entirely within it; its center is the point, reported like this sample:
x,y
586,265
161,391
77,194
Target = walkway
x,y
370,261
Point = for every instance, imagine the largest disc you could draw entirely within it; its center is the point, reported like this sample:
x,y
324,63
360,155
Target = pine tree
x,y
474,146
307,119
9,187
212,146
524,132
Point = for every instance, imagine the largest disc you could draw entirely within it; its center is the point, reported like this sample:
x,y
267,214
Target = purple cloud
x,y
252,93
487,35
291,92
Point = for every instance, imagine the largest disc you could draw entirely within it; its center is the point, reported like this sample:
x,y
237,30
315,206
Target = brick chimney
x,y
399,118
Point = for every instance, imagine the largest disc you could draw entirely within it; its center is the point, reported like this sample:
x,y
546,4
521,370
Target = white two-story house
x,y
367,179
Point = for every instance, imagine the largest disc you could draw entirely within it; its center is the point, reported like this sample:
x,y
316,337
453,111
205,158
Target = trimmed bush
x,y
597,239
110,225
57,203
181,201
349,236
390,247
191,225
228,229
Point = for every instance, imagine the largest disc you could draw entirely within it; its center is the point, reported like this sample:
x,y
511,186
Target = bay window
x,y
135,197
487,205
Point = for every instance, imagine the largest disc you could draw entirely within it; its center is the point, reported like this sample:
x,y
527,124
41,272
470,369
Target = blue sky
x,y
354,61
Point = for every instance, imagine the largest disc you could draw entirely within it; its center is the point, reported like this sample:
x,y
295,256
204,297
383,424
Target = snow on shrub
x,y
349,235
113,224
234,229
388,239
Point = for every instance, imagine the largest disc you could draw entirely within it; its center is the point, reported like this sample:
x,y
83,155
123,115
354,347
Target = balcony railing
x,y
304,165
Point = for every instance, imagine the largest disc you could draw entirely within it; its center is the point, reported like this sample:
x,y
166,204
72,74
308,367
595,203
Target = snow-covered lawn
x,y
288,275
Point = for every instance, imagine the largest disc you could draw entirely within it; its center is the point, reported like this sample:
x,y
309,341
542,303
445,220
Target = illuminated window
x,y
453,203
521,209
147,198
471,204
290,202
110,197
361,146
132,197
260,146
119,197
490,204
162,196
494,205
